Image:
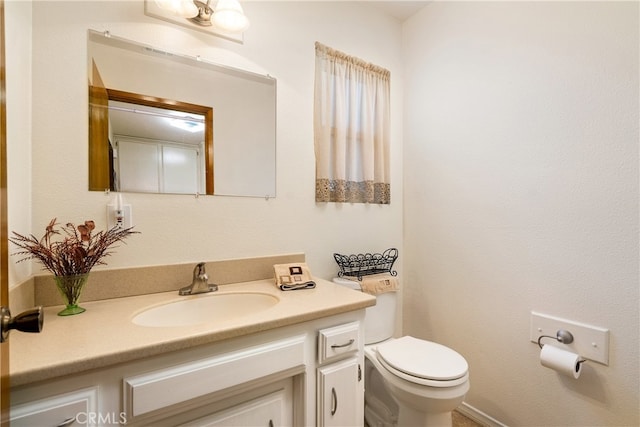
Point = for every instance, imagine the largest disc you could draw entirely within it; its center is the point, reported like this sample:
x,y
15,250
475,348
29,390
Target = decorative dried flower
x,y
75,251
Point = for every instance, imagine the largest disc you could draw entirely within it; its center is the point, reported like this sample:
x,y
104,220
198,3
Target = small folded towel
x,y
378,283
293,286
290,277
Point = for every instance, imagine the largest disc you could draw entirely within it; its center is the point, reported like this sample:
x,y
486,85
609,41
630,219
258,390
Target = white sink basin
x,y
205,308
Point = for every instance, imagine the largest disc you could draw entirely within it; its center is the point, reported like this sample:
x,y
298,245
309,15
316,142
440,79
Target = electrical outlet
x,y
112,219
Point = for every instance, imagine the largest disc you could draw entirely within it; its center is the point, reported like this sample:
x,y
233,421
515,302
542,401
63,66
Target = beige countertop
x,y
105,335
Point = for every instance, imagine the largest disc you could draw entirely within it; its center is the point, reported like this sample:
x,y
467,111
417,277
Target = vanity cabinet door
x,y
339,394
272,410
71,409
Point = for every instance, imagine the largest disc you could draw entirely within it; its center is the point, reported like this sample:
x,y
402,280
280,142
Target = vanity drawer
x,y
337,341
153,391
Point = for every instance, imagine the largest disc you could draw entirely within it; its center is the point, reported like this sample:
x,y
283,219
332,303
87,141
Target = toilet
x,y
408,381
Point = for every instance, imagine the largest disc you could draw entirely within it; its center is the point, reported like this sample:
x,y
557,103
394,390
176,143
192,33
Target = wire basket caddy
x,y
359,265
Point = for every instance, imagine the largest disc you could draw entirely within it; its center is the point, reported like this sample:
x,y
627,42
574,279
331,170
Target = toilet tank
x,y
379,321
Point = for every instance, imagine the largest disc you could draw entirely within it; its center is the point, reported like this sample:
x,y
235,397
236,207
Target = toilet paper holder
x,y
563,336
574,361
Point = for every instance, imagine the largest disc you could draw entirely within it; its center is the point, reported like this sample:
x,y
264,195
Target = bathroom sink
x,y
205,308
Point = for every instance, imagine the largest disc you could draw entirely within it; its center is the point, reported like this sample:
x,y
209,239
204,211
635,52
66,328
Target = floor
x,y
460,420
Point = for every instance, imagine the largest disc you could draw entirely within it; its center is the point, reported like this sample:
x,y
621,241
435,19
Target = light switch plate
x,y
590,342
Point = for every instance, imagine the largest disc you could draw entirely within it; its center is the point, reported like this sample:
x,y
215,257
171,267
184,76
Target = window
x,y
351,129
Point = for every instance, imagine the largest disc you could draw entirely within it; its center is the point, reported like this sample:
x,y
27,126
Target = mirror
x,y
137,91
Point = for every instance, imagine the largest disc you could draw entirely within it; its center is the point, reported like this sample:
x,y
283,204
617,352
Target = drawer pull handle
x,y
351,341
67,422
334,401
270,423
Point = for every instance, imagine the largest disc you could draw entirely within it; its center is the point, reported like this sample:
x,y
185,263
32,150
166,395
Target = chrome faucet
x,y
200,283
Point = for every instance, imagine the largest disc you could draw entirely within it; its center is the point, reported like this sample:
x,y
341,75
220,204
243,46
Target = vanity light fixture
x,y
230,17
183,8
227,15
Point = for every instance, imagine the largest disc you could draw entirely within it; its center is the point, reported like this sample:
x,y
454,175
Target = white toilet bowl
x,y
421,401
409,382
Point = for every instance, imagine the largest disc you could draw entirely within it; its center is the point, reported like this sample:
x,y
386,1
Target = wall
x,y
18,39
521,193
177,229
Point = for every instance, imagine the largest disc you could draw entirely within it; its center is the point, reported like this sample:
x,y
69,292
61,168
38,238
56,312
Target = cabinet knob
x,y
27,321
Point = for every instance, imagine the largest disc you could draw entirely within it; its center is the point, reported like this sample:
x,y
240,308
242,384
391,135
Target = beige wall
x,y
521,193
18,72
177,229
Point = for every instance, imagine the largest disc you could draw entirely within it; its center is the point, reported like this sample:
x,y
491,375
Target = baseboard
x,y
478,416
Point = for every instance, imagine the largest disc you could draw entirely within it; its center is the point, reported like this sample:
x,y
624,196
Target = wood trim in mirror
x,y
99,144
99,164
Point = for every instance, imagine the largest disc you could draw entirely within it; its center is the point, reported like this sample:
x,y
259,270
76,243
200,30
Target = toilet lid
x,y
423,359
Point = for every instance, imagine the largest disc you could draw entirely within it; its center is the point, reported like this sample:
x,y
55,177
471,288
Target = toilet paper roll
x,y
562,361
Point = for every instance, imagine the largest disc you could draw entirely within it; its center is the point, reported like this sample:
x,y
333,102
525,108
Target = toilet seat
x,y
423,362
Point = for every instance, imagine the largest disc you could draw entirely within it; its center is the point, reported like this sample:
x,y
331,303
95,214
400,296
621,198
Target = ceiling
x,y
140,121
400,10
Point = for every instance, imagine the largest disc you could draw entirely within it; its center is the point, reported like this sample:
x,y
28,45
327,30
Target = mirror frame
x,y
100,178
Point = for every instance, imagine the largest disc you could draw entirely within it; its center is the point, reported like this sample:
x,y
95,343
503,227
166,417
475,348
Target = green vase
x,y
70,288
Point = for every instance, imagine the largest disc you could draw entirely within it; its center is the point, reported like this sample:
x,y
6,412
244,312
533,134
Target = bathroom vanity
x,y
296,362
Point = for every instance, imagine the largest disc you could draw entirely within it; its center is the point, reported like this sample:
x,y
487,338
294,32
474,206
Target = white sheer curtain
x,y
351,129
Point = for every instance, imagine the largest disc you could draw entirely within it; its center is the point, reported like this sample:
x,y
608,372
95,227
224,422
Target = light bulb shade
x,y
184,8
230,17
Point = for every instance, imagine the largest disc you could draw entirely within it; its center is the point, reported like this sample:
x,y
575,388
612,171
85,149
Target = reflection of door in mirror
x,y
153,145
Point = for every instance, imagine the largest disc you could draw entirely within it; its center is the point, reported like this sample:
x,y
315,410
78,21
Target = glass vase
x,y
70,287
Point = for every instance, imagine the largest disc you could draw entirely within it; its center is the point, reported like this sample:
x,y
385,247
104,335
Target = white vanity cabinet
x,y
339,376
271,378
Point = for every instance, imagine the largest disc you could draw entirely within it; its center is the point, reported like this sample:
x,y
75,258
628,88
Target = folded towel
x,y
378,283
292,287
290,277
